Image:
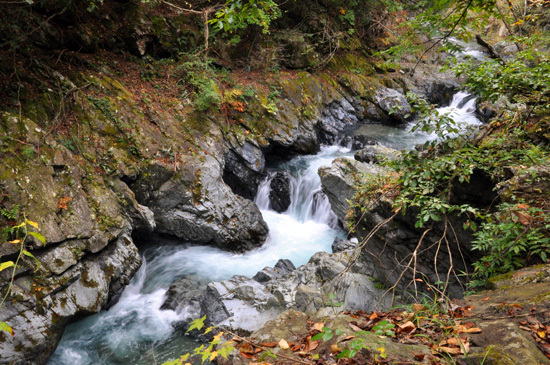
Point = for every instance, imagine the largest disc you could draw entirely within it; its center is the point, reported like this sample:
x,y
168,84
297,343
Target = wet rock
x,y
184,296
82,289
244,169
336,117
198,207
279,194
281,268
243,303
340,244
439,91
393,103
339,182
240,303
376,154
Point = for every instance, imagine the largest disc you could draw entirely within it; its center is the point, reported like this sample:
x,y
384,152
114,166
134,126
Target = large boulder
x,y
376,154
244,168
393,103
73,288
338,180
324,282
279,193
196,206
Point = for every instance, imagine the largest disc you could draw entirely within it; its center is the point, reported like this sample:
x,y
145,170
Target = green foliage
x,y
326,335
19,234
214,349
384,328
511,237
239,14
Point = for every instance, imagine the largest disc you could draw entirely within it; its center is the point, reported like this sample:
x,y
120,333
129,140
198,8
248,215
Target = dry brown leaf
x,y
347,338
283,344
318,326
463,329
450,350
373,316
311,345
407,327
419,357
335,349
248,356
246,348
269,344
296,347
354,327
523,218
418,307
486,298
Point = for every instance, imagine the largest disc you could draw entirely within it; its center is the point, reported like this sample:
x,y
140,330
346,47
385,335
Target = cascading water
x,y
462,109
137,331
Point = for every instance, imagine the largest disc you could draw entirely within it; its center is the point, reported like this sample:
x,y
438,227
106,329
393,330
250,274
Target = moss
x,y
87,281
498,278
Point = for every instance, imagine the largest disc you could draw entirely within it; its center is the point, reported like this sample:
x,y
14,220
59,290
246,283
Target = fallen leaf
x,y
246,348
418,307
523,218
541,334
354,327
463,329
450,350
311,345
335,349
486,298
373,316
419,357
347,338
268,344
296,347
318,326
407,327
283,344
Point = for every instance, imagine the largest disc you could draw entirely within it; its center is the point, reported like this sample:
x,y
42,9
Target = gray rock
x,y
339,183
281,268
340,244
244,169
393,103
336,117
84,288
376,154
198,207
184,296
242,303
279,193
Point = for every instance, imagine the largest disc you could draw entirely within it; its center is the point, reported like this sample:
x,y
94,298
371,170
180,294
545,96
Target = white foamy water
x,y
136,331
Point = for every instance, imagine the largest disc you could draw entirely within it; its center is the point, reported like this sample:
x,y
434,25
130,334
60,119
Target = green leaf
x,y
5,265
27,253
6,327
197,324
38,236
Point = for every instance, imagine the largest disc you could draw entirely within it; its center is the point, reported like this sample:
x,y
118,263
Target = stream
x,y
136,331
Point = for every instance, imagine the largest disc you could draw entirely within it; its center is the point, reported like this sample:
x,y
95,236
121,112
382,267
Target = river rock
x,y
281,268
198,207
184,296
339,182
340,244
376,154
393,103
84,288
242,303
239,303
279,193
244,169
336,117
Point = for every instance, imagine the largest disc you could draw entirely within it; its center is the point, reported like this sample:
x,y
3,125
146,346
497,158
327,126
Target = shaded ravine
x,y
137,331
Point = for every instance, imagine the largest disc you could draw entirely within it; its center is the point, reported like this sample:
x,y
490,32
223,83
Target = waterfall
x,y
307,200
